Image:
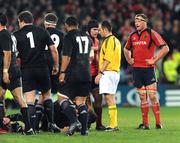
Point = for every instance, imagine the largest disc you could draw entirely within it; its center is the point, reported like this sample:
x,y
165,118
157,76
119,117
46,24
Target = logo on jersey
x,y
139,43
145,37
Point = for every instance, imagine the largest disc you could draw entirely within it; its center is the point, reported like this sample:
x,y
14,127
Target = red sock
x,y
145,111
156,111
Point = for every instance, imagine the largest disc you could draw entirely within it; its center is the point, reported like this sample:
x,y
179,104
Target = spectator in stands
x,y
170,70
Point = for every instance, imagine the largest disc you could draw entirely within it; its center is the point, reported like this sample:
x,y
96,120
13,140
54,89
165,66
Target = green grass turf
x,y
128,119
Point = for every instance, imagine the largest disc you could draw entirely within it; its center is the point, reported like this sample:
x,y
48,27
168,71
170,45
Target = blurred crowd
x,y
164,17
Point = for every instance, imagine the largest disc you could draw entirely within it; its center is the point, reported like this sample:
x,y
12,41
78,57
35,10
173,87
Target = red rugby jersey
x,y
94,57
143,46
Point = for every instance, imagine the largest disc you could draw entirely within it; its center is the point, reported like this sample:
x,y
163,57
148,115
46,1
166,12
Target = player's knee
x,y
152,95
110,99
66,103
80,100
141,91
46,94
153,98
143,98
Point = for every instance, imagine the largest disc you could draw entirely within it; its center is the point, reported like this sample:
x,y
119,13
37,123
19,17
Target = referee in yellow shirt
x,y
109,66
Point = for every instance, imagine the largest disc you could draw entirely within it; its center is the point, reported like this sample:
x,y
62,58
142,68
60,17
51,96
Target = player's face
x,y
140,24
94,32
102,31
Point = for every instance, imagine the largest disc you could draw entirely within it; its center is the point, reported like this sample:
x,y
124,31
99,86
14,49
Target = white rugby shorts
x,y
109,82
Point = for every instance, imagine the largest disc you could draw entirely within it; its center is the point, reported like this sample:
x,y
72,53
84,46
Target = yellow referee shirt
x,y
111,51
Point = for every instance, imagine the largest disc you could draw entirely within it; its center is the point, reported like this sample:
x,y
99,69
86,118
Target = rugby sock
x,y
25,118
83,117
112,116
49,110
145,111
32,115
98,111
68,108
39,113
91,117
156,111
1,113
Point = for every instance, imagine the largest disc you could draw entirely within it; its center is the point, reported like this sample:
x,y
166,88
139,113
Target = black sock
x,y
32,115
49,110
83,116
1,113
39,113
68,108
25,118
92,117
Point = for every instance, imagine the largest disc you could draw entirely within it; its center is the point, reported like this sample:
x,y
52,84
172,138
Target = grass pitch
x,y
128,119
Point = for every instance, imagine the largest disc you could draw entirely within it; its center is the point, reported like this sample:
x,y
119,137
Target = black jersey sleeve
x,y
5,42
48,39
67,46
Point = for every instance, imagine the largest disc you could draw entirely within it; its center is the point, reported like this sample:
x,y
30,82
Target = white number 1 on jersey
x,y
31,39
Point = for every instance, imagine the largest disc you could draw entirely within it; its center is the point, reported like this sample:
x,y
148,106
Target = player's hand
x,y
55,70
62,78
98,77
6,121
150,61
131,61
6,77
64,130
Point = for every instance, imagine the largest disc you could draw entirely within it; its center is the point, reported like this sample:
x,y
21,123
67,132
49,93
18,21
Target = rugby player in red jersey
x,y
139,52
93,31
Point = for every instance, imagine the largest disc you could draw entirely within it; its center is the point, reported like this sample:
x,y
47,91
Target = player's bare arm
x,y
127,54
64,65
164,50
55,56
6,64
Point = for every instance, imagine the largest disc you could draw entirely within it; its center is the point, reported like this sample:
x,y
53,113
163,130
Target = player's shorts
x,y
93,84
74,89
36,79
15,79
109,82
144,76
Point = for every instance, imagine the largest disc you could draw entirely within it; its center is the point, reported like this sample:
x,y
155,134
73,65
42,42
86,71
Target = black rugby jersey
x,y
31,43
